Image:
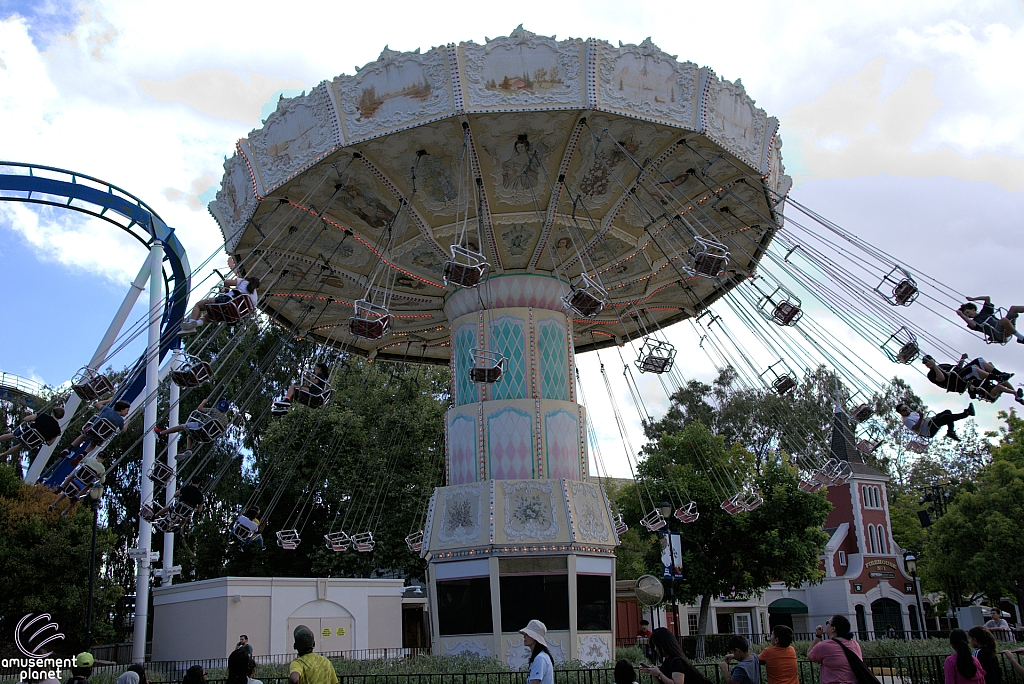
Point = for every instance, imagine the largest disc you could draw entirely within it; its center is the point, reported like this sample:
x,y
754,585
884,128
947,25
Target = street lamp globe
x,y
911,563
665,508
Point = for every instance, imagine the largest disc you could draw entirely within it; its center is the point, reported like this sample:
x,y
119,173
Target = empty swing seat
x,y
653,521
786,313
656,357
620,525
838,472
466,268
917,446
28,436
905,292
288,539
865,446
586,298
146,511
783,384
908,353
99,429
902,346
904,288
488,366
363,542
415,541
810,484
90,385
861,412
710,257
160,473
688,513
369,321
732,505
750,500
230,310
337,541
192,373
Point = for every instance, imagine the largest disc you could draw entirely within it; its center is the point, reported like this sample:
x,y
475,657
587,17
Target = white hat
x,y
536,630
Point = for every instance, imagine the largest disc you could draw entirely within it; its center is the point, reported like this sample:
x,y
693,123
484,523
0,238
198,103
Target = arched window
x,y
878,497
866,495
871,539
883,543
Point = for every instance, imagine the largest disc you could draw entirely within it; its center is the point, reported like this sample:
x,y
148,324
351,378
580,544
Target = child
x,y
998,330
747,669
780,658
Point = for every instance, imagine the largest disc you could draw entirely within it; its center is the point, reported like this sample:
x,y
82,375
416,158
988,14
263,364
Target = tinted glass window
x,y
464,606
534,597
594,602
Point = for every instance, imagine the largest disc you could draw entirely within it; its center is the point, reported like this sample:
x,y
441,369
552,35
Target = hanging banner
x,y
671,555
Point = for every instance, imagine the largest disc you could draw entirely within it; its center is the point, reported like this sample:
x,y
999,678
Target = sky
x,y
901,122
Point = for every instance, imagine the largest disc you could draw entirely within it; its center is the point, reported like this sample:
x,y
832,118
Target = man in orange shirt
x,y
780,658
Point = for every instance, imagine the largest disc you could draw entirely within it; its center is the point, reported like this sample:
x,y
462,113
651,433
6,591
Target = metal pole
x,y
148,452
73,403
172,462
922,622
95,503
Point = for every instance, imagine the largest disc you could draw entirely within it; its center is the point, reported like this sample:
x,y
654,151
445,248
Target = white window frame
x,y
842,558
741,624
871,539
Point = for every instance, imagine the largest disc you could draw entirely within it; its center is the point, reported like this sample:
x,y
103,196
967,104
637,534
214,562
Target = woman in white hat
x,y
542,667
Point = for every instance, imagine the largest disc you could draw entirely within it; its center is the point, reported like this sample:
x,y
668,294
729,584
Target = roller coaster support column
x,y
148,450
74,402
172,461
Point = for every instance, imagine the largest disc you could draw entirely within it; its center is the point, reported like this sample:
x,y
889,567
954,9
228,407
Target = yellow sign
x,y
881,563
325,632
341,631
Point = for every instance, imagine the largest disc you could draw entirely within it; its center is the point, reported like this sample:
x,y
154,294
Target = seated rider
x,y
95,464
115,413
190,495
250,520
979,378
188,427
318,383
985,321
44,423
239,286
929,427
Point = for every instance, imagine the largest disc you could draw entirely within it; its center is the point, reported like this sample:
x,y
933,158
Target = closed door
x,y
331,634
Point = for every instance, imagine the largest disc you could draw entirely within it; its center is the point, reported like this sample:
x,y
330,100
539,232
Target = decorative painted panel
x,y
399,90
731,118
594,648
463,646
554,364
510,444
508,337
644,80
462,450
464,339
591,521
523,70
518,655
462,515
530,509
561,443
236,200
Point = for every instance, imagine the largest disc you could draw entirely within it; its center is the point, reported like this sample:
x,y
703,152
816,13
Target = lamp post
x,y
910,563
665,508
94,503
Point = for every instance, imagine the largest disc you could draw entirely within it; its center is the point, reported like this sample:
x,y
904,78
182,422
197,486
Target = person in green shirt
x,y
309,667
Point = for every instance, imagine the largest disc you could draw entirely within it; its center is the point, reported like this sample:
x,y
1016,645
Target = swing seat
x,y
866,446
905,292
146,511
620,525
786,313
91,385
688,513
653,521
732,505
415,541
99,429
174,519
902,347
908,353
369,321
244,529
230,311
82,480
750,500
783,384
363,542
160,473
209,427
337,541
466,268
28,436
710,257
810,485
586,298
488,366
288,539
917,446
656,357
193,372
904,288
861,412
839,472
314,399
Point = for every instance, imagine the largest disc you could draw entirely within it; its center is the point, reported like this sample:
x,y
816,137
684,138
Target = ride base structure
x,y
501,207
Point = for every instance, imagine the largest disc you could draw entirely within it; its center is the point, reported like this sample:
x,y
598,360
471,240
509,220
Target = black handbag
x,y
860,670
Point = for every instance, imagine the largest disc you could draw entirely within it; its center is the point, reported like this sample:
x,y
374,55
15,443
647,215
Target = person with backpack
x,y
962,667
675,667
832,653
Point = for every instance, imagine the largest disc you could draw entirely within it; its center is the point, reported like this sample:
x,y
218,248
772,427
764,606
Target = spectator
x,y
194,675
82,669
780,658
136,674
985,651
624,672
998,625
831,653
238,666
252,673
643,637
675,666
1014,663
747,669
542,667
890,632
309,667
962,667
243,643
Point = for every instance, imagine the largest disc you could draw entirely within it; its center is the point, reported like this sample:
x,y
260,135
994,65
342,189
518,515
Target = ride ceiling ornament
x,y
538,123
